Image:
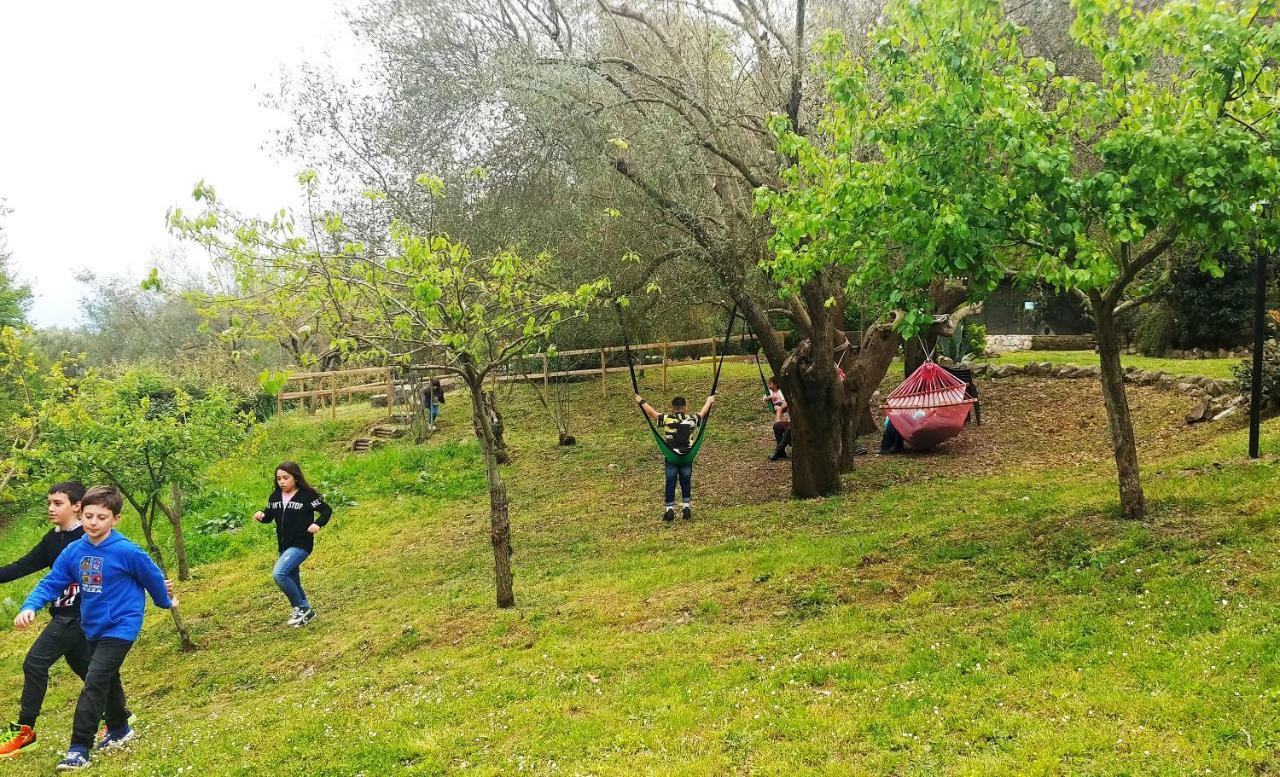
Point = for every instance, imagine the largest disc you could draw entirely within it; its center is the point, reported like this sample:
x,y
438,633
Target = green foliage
x,y
1243,370
969,340
15,297
139,431
1213,311
1157,327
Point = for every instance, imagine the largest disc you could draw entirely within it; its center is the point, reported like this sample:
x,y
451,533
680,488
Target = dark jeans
x,y
102,692
287,577
782,435
62,638
892,441
685,474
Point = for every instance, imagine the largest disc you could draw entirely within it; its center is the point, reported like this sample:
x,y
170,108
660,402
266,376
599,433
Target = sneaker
x,y
113,739
686,513
670,514
304,617
133,718
778,456
76,759
294,616
15,739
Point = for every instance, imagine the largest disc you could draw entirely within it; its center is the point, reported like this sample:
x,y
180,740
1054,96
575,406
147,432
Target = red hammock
x,y
929,408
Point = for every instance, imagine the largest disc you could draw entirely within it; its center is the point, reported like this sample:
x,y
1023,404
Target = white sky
x,y
110,112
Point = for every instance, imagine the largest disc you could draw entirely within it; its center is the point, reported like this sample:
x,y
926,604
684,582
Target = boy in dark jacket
x,y
63,637
113,574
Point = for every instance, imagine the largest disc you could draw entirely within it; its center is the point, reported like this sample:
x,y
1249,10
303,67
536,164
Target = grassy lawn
x,y
977,611
1211,368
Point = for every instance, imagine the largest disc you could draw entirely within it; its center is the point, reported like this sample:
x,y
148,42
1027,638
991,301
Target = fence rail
x,y
327,385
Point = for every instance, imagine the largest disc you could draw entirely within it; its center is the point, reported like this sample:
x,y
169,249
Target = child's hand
x,y
25,619
173,601
168,587
313,528
258,516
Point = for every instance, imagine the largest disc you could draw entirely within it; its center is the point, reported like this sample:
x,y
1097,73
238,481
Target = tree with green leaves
x,y
15,297
962,149
148,437
414,299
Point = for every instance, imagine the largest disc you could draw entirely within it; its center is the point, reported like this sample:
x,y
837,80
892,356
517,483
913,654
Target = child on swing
x,y
677,428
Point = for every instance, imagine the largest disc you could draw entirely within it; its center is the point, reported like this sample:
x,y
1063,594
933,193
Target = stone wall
x,y
1008,343
1214,399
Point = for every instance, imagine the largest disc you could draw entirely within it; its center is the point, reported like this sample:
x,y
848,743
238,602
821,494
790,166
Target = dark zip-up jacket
x,y
42,557
291,520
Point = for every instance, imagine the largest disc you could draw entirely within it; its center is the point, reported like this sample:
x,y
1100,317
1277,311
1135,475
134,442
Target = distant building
x,y
1012,310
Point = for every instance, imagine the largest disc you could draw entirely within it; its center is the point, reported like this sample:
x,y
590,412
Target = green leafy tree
x,y
149,438
1086,184
15,297
424,300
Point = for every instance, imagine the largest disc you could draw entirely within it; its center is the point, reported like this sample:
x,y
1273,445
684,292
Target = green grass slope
x,y
976,611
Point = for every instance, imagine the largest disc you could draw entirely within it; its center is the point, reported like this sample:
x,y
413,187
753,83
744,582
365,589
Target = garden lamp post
x,y
1260,257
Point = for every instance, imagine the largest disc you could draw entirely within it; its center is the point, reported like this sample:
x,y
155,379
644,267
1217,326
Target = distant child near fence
x,y
434,399
299,512
114,575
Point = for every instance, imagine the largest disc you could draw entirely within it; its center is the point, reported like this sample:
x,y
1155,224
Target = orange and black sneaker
x,y
15,739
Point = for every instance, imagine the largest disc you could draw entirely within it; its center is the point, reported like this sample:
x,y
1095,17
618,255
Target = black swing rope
x,y
667,453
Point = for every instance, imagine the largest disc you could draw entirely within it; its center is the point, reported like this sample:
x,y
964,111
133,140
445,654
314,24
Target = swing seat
x,y
929,408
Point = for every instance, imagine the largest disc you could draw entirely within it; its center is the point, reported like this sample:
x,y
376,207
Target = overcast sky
x,y
110,112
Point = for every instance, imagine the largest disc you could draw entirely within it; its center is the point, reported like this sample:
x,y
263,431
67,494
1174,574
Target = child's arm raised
x,y
152,578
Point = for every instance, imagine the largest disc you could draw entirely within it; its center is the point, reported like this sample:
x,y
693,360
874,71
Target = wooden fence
x,y
317,387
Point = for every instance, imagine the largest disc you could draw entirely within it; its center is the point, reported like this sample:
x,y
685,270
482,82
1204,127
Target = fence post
x,y
665,348
333,397
391,392
546,377
604,376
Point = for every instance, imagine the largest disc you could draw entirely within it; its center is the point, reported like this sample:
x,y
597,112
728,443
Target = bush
x,y
1270,366
1211,312
1156,330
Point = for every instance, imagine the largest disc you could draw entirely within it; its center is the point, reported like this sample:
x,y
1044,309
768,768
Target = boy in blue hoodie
x,y
113,574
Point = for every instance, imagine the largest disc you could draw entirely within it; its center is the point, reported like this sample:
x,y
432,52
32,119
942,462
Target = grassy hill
x,y
974,611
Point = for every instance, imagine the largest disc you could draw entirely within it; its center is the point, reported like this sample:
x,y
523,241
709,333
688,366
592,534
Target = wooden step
x,y
386,431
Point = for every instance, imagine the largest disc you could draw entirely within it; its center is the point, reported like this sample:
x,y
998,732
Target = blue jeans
x,y
433,411
685,473
286,576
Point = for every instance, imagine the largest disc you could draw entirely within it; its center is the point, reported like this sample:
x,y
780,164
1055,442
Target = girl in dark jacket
x,y
298,511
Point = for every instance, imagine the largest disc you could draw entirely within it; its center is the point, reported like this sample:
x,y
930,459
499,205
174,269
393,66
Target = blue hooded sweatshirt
x,y
112,576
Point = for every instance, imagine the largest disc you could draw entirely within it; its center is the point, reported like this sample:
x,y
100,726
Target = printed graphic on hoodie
x,y
91,574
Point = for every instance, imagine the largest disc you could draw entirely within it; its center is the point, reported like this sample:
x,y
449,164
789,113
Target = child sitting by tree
x,y
677,428
112,574
781,420
298,511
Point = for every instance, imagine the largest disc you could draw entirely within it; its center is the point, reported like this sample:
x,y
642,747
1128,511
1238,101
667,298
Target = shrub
x,y
1270,366
1211,312
1156,330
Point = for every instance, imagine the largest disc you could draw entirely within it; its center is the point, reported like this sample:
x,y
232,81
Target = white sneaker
x,y
294,616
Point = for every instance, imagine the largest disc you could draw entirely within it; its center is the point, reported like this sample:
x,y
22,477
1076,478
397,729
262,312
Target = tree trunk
x,y
174,513
184,634
1132,502
499,516
146,516
875,354
493,418
816,403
